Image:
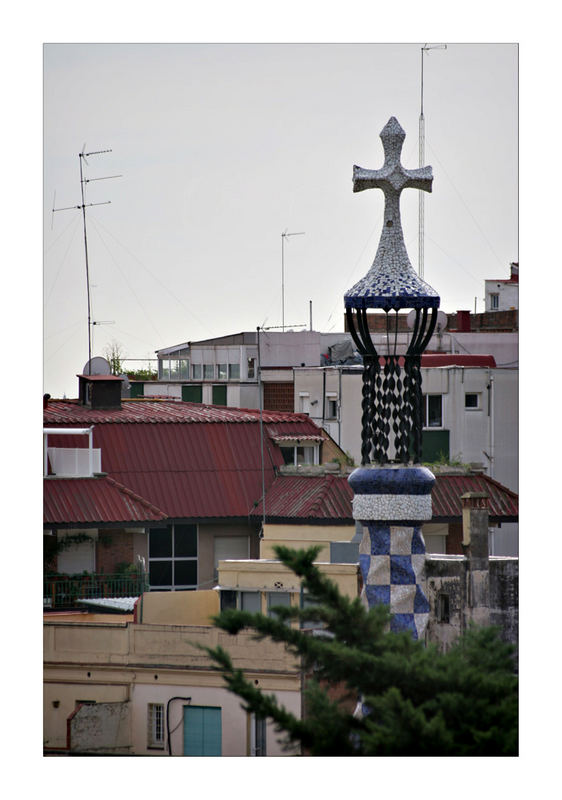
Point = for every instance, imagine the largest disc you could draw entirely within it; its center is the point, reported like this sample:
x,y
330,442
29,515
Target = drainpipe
x,y
339,408
491,418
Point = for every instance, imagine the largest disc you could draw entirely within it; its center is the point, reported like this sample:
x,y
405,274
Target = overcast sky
x,y
224,147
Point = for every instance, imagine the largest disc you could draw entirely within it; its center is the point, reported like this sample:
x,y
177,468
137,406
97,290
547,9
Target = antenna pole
x,y
283,237
421,220
82,206
80,157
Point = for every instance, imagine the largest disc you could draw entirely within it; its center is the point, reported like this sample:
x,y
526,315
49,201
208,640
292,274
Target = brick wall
x,y
114,547
278,396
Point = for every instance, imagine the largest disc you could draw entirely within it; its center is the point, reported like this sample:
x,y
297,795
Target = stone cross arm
x,y
392,177
397,179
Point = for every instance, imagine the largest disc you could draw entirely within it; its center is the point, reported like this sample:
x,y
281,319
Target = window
x,y
304,403
219,395
443,612
221,372
277,599
208,371
331,406
433,409
197,372
234,372
257,736
494,301
202,734
243,601
299,455
155,723
251,368
472,400
172,557
176,369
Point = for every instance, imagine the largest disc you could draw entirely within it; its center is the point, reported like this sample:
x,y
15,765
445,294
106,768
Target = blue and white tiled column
x,y
392,503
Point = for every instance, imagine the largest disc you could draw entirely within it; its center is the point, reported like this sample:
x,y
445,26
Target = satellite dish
x,y
126,382
440,326
97,366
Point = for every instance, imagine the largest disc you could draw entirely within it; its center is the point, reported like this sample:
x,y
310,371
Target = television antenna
x,y
284,235
425,49
83,158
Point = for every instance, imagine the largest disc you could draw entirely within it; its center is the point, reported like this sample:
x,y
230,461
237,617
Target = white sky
x,y
222,147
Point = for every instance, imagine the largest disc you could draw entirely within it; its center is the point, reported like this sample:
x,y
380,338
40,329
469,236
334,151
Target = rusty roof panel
x,y
94,500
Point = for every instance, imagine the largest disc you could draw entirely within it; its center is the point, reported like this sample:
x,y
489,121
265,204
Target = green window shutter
x,y
192,394
137,389
435,445
219,395
202,731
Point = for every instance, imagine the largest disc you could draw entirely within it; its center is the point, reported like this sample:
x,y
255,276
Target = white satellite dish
x,y
440,326
97,366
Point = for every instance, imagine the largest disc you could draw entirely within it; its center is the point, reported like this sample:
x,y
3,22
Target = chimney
x,y
515,271
463,321
46,398
475,516
100,391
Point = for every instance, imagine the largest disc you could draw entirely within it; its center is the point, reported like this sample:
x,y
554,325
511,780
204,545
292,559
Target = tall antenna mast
x,y
82,158
424,49
283,237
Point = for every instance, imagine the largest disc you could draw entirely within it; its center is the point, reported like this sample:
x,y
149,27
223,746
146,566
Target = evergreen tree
x,y
419,701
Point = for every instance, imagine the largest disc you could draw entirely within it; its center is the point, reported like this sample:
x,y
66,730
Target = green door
x,y
192,393
435,445
219,395
202,735
137,389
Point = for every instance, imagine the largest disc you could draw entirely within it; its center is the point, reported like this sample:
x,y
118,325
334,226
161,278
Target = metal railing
x,y
64,591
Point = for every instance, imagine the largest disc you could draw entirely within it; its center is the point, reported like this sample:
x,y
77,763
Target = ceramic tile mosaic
x,y
392,283
392,507
392,561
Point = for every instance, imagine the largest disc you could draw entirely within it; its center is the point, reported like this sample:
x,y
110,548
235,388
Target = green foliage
x,y
142,374
422,702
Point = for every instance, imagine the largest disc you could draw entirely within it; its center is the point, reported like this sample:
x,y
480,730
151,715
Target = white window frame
x,y
314,446
197,372
231,370
331,397
156,724
222,372
208,372
494,301
426,426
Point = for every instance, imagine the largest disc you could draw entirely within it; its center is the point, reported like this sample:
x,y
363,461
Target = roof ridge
x,y
125,489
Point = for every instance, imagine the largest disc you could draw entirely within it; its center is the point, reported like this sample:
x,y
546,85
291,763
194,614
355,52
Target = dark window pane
x,y
288,455
471,401
434,411
185,573
160,573
228,599
185,541
160,543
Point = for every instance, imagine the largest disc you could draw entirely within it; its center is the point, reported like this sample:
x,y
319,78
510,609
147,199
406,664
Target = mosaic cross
x,y
392,177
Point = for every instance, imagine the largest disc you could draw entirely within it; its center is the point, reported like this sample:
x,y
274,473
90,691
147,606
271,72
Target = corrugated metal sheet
x,y
70,412
94,500
329,497
195,470
323,497
446,497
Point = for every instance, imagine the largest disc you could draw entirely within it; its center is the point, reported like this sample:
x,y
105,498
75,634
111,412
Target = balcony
x,y
64,591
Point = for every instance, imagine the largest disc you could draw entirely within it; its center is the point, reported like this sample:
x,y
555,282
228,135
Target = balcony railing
x,y
64,591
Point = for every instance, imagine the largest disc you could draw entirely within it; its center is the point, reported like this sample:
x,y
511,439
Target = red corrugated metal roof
x,y
71,412
457,360
94,500
447,491
192,470
303,497
329,498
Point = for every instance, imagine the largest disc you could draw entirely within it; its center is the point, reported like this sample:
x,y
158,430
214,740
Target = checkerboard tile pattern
x,y
392,560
